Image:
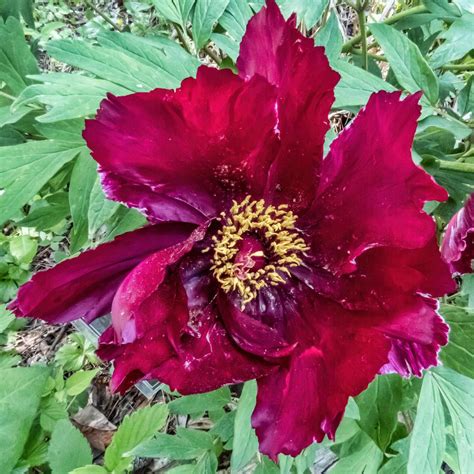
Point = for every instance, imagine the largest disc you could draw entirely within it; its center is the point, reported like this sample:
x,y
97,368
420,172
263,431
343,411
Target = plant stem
x,y
377,57
456,166
8,96
102,14
212,54
458,67
363,32
348,45
183,39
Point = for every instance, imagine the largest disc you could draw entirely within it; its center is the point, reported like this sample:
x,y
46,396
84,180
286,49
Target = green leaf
x,y
466,98
397,464
206,14
428,438
100,208
16,59
125,220
363,456
80,381
459,40
185,445
6,318
90,469
207,464
20,393
458,394
16,8
196,404
26,168
48,212
83,178
9,136
9,116
308,12
67,96
176,11
245,442
68,449
138,64
459,353
356,85
23,248
379,406
330,37
51,411
134,430
408,64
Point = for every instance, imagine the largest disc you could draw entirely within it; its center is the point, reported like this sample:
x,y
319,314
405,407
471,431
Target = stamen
x,y
275,227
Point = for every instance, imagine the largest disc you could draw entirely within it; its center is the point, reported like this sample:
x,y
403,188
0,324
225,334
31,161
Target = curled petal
x,y
458,243
305,400
84,286
275,49
369,185
183,154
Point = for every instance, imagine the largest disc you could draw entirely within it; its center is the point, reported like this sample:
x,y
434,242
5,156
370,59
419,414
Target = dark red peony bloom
x,y
458,242
262,259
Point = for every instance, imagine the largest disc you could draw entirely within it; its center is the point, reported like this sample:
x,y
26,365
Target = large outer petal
x,y
84,286
274,49
159,331
371,193
458,243
306,399
182,155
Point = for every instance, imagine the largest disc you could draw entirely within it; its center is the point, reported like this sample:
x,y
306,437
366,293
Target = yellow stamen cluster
x,y
275,227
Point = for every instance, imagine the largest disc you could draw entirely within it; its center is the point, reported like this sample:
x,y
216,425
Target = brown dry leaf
x,y
95,426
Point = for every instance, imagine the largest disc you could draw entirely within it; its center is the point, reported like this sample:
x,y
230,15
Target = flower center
x,y
255,247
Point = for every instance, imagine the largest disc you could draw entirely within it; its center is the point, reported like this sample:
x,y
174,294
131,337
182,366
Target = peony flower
x,y
457,247
262,260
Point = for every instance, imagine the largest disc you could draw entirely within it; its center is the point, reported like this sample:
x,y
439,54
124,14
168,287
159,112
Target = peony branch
x,y
90,4
348,45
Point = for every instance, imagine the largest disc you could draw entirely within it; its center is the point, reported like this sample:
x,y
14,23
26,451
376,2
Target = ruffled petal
x,y
274,49
160,333
305,400
458,243
84,286
369,186
182,154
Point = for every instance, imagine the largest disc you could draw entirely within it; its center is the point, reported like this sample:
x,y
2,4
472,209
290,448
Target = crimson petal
x,y
180,155
158,333
369,185
274,49
306,400
84,286
458,242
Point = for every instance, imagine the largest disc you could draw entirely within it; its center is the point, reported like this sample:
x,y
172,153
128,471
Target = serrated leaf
x,y
68,449
26,168
134,430
51,411
206,14
245,442
6,318
90,469
428,438
20,393
408,64
80,381
196,404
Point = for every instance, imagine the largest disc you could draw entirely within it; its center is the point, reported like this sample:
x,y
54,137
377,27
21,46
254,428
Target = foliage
x,y
58,60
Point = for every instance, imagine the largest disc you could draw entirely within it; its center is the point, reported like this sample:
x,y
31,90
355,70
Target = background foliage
x,y
58,59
